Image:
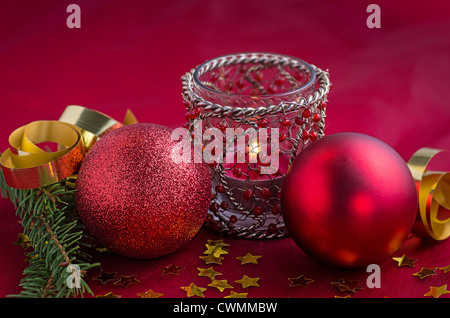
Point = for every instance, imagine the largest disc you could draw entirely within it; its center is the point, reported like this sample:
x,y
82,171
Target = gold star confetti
x,y
425,272
126,281
346,285
30,256
246,281
102,249
248,259
236,295
106,277
220,284
171,269
208,272
300,281
194,290
215,250
108,295
217,243
405,261
150,294
211,259
23,241
446,269
436,292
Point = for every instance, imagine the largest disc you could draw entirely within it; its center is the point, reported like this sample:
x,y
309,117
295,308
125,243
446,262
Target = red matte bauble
x,y
349,200
134,199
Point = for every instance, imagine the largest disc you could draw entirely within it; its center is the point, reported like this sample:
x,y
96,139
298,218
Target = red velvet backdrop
x,y
391,83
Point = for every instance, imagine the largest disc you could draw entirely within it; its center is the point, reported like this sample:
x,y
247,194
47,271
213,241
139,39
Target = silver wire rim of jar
x,y
214,109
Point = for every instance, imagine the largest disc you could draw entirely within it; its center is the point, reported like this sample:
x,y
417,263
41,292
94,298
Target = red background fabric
x,y
390,83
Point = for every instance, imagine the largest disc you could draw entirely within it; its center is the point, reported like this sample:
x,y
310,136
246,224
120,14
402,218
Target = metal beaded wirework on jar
x,y
282,96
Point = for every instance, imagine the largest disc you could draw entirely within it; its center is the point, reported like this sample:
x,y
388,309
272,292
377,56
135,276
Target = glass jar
x,y
262,109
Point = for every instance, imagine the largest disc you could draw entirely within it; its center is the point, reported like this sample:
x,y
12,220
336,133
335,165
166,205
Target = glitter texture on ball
x,y
134,199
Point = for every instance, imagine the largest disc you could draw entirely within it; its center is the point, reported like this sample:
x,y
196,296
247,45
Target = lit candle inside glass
x,y
253,152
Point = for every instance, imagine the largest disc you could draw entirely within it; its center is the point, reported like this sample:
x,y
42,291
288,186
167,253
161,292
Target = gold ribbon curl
x,y
433,190
27,165
93,124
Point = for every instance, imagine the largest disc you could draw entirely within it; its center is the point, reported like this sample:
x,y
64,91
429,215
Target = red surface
x,y
391,83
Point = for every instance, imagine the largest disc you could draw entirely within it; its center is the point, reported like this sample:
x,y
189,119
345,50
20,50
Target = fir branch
x,y
50,221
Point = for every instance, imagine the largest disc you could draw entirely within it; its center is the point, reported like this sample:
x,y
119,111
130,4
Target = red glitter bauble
x,y
349,200
134,199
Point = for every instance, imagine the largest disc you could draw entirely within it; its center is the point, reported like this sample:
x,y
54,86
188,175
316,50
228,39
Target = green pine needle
x,y
50,221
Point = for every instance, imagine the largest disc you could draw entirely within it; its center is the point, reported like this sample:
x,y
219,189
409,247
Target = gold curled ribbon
x,y
25,165
93,124
433,190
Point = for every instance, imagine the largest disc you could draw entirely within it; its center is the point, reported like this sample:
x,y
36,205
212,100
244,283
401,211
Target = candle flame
x,y
255,148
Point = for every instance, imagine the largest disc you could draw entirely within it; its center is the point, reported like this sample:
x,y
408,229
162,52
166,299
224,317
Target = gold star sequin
x,y
217,243
300,281
215,250
404,261
211,259
208,272
31,256
248,259
446,269
171,269
346,285
150,294
108,295
236,295
194,290
220,284
23,241
102,249
246,281
425,272
126,281
436,292
106,277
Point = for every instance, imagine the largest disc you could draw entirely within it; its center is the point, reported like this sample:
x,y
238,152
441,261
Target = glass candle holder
x,y
262,109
